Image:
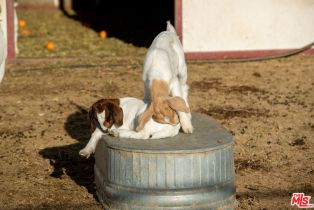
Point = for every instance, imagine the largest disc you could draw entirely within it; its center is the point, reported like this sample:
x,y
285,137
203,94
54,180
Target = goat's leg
x,y
91,145
147,96
185,118
123,133
167,132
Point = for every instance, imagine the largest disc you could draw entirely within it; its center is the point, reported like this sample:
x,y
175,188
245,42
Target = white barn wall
x,y
3,37
3,19
229,25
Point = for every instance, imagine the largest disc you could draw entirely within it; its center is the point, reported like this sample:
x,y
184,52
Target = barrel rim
x,y
186,151
209,135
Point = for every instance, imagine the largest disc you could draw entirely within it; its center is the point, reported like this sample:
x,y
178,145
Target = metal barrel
x,y
193,171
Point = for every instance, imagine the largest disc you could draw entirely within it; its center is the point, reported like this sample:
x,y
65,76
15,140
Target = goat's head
x,y
106,112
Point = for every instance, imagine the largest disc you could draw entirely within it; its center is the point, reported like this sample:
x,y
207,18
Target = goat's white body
x,y
132,108
165,61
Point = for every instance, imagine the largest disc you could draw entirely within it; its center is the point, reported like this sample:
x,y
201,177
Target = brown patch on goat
x,y
159,88
162,108
178,104
144,118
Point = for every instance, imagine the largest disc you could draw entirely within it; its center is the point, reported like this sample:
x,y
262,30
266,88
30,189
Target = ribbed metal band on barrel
x,y
119,197
169,171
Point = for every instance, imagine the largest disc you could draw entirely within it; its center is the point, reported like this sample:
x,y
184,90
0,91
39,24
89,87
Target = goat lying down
x,y
119,117
165,75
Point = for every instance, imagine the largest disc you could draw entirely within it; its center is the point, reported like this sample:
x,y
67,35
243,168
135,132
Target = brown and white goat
x,y
165,82
119,117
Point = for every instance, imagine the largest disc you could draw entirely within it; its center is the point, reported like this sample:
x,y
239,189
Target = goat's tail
x,y
170,27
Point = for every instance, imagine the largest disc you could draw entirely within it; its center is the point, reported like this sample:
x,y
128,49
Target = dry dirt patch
x,y
268,106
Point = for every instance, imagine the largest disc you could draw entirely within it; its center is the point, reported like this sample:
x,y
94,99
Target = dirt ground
x,y
267,106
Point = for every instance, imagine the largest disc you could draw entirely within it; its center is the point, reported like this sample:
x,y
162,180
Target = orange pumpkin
x,y
22,23
50,46
103,34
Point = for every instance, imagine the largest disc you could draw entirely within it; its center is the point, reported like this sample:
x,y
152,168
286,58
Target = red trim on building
x,y
309,51
239,54
10,29
178,18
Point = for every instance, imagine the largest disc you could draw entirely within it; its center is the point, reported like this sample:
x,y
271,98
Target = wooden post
x,y
10,29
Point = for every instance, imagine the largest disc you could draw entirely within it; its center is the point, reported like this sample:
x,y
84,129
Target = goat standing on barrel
x,y
165,73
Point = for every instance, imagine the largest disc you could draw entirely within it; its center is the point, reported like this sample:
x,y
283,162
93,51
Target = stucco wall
x,y
3,35
229,25
3,17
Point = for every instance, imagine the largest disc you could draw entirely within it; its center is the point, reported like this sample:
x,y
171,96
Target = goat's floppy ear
x,y
91,116
116,114
178,104
144,118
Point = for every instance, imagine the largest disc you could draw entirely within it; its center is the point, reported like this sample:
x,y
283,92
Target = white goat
x,y
165,72
106,116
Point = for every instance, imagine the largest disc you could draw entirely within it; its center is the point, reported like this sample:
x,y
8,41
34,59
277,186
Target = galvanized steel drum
x,y
183,172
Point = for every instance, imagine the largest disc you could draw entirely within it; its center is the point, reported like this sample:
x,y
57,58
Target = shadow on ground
x,y
136,22
66,159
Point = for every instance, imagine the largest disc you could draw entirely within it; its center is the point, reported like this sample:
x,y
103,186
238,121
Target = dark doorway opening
x,y
136,22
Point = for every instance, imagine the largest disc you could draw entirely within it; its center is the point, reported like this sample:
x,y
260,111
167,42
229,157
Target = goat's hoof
x,y
188,129
85,153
